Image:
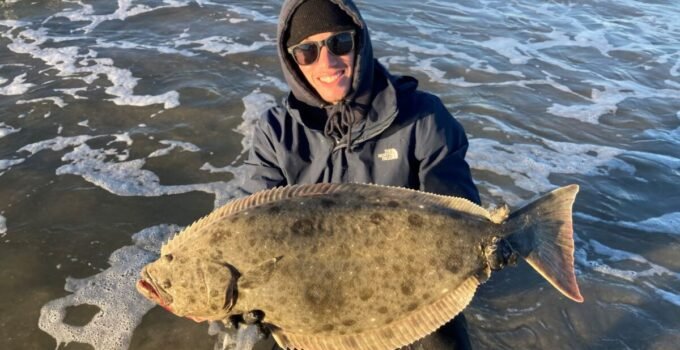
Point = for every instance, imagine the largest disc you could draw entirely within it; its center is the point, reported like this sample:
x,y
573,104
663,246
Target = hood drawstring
x,y
341,119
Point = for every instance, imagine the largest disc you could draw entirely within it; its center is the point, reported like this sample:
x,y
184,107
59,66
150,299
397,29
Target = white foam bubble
x,y
667,223
647,268
56,144
8,163
675,70
256,103
57,101
602,102
222,45
7,129
184,146
3,226
113,292
673,298
249,13
16,87
128,45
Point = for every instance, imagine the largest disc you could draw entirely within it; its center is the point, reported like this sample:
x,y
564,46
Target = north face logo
x,y
389,154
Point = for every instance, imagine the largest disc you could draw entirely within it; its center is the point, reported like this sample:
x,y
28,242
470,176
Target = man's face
x,y
330,75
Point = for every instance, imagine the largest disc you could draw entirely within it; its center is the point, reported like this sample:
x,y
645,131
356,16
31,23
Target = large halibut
x,y
350,266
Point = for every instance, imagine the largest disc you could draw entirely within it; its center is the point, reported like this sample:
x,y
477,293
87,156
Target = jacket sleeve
x,y
441,145
261,168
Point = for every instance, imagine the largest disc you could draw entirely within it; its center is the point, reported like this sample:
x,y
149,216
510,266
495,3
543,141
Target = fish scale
x,y
353,266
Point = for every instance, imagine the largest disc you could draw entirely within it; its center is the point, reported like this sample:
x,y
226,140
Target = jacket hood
x,y
363,67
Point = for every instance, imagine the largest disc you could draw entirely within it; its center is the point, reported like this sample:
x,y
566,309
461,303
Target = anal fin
x,y
402,332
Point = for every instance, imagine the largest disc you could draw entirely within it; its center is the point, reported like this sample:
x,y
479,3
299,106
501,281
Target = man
x,y
347,119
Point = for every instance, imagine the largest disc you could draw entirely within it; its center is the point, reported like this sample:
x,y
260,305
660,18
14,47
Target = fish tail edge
x,y
542,233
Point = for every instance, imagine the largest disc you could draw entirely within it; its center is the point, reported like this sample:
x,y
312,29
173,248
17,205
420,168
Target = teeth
x,y
330,78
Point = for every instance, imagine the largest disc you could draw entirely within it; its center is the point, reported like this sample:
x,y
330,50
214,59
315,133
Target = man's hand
x,y
240,332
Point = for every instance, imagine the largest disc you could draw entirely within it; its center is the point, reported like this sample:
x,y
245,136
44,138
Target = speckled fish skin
x,y
327,262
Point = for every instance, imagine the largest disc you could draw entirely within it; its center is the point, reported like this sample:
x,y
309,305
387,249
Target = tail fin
x,y
542,233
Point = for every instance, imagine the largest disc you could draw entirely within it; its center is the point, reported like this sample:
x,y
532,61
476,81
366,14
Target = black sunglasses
x,y
338,44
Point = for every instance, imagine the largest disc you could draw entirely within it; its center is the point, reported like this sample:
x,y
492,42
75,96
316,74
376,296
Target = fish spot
x,y
349,323
453,263
327,203
252,242
383,310
377,218
426,296
234,219
416,220
365,294
250,219
214,293
412,306
327,328
214,307
192,300
396,268
407,288
380,260
393,204
212,270
303,227
275,209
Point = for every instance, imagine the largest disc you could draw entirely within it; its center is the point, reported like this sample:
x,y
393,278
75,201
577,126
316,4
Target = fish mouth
x,y
149,289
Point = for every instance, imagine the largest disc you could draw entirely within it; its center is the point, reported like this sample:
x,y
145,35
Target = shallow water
x,y
119,120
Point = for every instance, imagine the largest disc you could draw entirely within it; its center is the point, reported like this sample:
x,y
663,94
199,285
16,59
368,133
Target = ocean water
x,y
122,121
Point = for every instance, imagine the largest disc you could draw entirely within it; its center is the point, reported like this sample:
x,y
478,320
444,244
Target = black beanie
x,y
317,16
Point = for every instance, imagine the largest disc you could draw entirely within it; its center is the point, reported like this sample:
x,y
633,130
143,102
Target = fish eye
x,y
167,284
168,257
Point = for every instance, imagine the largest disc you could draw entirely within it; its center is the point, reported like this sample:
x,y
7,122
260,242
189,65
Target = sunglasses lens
x,y
341,44
305,54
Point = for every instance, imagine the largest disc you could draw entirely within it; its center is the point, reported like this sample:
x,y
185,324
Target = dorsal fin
x,y
394,335
296,191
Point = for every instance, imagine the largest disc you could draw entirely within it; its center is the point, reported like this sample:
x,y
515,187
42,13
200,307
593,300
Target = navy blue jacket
x,y
408,139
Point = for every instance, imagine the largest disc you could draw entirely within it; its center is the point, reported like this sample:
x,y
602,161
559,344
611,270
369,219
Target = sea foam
x,y
18,86
3,226
113,291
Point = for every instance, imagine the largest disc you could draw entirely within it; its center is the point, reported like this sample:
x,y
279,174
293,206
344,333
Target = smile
x,y
328,79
